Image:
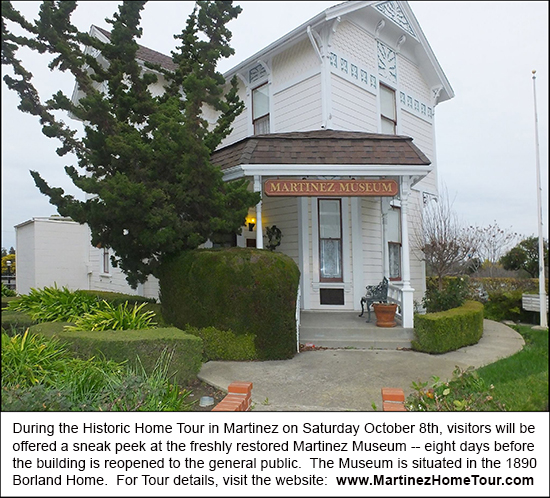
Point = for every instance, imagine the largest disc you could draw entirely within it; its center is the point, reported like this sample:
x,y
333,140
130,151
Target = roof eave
x,y
243,170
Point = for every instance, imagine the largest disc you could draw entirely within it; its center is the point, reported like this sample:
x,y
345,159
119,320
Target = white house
x,y
338,137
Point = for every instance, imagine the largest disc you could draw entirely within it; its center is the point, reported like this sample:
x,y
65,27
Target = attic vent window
x,y
256,73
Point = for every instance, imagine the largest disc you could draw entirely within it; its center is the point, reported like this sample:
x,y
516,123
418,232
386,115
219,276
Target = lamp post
x,y
542,287
8,265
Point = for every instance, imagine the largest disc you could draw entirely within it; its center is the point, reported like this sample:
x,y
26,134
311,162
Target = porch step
x,y
348,330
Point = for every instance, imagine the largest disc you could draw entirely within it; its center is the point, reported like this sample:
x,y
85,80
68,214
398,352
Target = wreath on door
x,y
274,237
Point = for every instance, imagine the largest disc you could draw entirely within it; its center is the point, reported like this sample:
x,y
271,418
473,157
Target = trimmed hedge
x,y
224,345
116,298
17,320
122,345
509,306
448,330
247,291
6,300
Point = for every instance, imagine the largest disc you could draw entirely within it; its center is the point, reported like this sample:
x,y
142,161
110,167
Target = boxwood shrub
x,y
116,298
448,330
122,345
247,291
224,344
15,322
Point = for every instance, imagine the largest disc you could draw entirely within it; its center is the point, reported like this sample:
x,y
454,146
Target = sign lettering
x,y
327,188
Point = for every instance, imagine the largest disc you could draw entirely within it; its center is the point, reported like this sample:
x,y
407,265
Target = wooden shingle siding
x,y
410,79
293,63
355,42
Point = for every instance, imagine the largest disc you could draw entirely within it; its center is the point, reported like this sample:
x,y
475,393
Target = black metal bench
x,y
375,294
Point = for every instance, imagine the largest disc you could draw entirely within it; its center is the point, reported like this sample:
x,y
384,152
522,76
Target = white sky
x,y
485,136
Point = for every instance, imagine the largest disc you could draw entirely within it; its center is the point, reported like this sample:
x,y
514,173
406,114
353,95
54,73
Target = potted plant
x,y
385,314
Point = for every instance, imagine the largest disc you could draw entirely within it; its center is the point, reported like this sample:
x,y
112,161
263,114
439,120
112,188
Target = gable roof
x,y
401,18
321,147
145,54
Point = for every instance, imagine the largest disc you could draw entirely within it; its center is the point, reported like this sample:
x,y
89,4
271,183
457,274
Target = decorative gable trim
x,y
353,72
413,105
394,13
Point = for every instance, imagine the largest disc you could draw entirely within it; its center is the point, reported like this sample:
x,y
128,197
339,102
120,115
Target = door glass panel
x,y
330,258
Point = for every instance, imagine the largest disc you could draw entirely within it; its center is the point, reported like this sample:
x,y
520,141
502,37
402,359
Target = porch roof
x,y
323,147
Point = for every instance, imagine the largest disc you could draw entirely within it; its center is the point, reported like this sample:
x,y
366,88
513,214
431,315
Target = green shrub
x,y
465,392
109,317
7,292
448,330
15,321
7,300
138,347
248,291
224,344
452,295
40,374
508,306
116,298
52,304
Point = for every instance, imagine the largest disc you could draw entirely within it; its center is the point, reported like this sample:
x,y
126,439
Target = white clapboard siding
x,y
298,108
373,263
283,212
353,108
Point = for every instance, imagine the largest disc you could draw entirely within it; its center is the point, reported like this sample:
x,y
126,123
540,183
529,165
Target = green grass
x,y
521,381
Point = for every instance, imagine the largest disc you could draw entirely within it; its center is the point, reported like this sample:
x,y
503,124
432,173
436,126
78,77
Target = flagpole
x,y
542,287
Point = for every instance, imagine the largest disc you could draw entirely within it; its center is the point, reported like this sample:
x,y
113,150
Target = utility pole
x,y
542,281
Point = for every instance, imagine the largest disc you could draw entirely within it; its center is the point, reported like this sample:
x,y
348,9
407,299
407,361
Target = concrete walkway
x,y
351,379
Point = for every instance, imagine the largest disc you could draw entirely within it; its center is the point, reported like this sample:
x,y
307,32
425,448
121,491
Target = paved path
x,y
351,379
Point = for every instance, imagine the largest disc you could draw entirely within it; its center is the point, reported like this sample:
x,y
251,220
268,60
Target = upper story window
x,y
260,109
388,112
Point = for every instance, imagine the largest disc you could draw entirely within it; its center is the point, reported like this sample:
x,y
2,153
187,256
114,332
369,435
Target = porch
x,y
347,330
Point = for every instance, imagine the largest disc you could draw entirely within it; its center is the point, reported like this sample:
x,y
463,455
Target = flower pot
x,y
385,314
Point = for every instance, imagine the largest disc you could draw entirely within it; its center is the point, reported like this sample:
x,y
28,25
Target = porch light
x,y
251,222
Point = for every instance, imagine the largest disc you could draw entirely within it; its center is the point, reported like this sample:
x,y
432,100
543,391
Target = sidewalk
x,y
351,379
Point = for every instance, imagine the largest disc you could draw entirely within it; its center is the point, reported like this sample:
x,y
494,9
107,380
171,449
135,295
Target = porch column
x,y
259,229
385,205
407,312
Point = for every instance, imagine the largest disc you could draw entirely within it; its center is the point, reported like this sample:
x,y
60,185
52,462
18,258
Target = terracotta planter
x,y
385,314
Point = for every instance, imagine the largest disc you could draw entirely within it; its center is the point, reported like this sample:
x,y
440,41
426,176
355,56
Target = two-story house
x,y
338,137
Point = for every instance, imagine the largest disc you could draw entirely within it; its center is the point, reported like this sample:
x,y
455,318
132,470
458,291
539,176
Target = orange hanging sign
x,y
328,188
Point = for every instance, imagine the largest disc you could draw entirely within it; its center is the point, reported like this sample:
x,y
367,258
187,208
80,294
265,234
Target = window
x,y
388,113
330,240
394,242
260,109
106,261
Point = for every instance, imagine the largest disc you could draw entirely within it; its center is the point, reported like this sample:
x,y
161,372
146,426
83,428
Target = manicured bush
x,y
41,374
116,298
224,344
448,330
248,291
6,300
15,321
122,345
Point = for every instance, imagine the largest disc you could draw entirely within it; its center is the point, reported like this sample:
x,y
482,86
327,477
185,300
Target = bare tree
x,y
446,244
494,242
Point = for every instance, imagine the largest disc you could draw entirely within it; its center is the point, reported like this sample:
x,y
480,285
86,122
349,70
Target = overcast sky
x,y
485,136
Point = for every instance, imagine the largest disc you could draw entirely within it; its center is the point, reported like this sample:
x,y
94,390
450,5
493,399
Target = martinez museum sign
x,y
328,188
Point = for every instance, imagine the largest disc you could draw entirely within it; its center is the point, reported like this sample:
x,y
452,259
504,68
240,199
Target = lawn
x,y
516,383
521,380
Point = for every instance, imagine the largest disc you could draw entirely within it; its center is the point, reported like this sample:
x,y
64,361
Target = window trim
x,y
321,278
384,117
256,120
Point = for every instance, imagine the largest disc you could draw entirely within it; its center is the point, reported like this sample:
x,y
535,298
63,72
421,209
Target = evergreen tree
x,y
525,256
144,160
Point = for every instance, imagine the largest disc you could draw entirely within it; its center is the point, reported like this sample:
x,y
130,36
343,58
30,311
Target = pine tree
x,y
144,159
